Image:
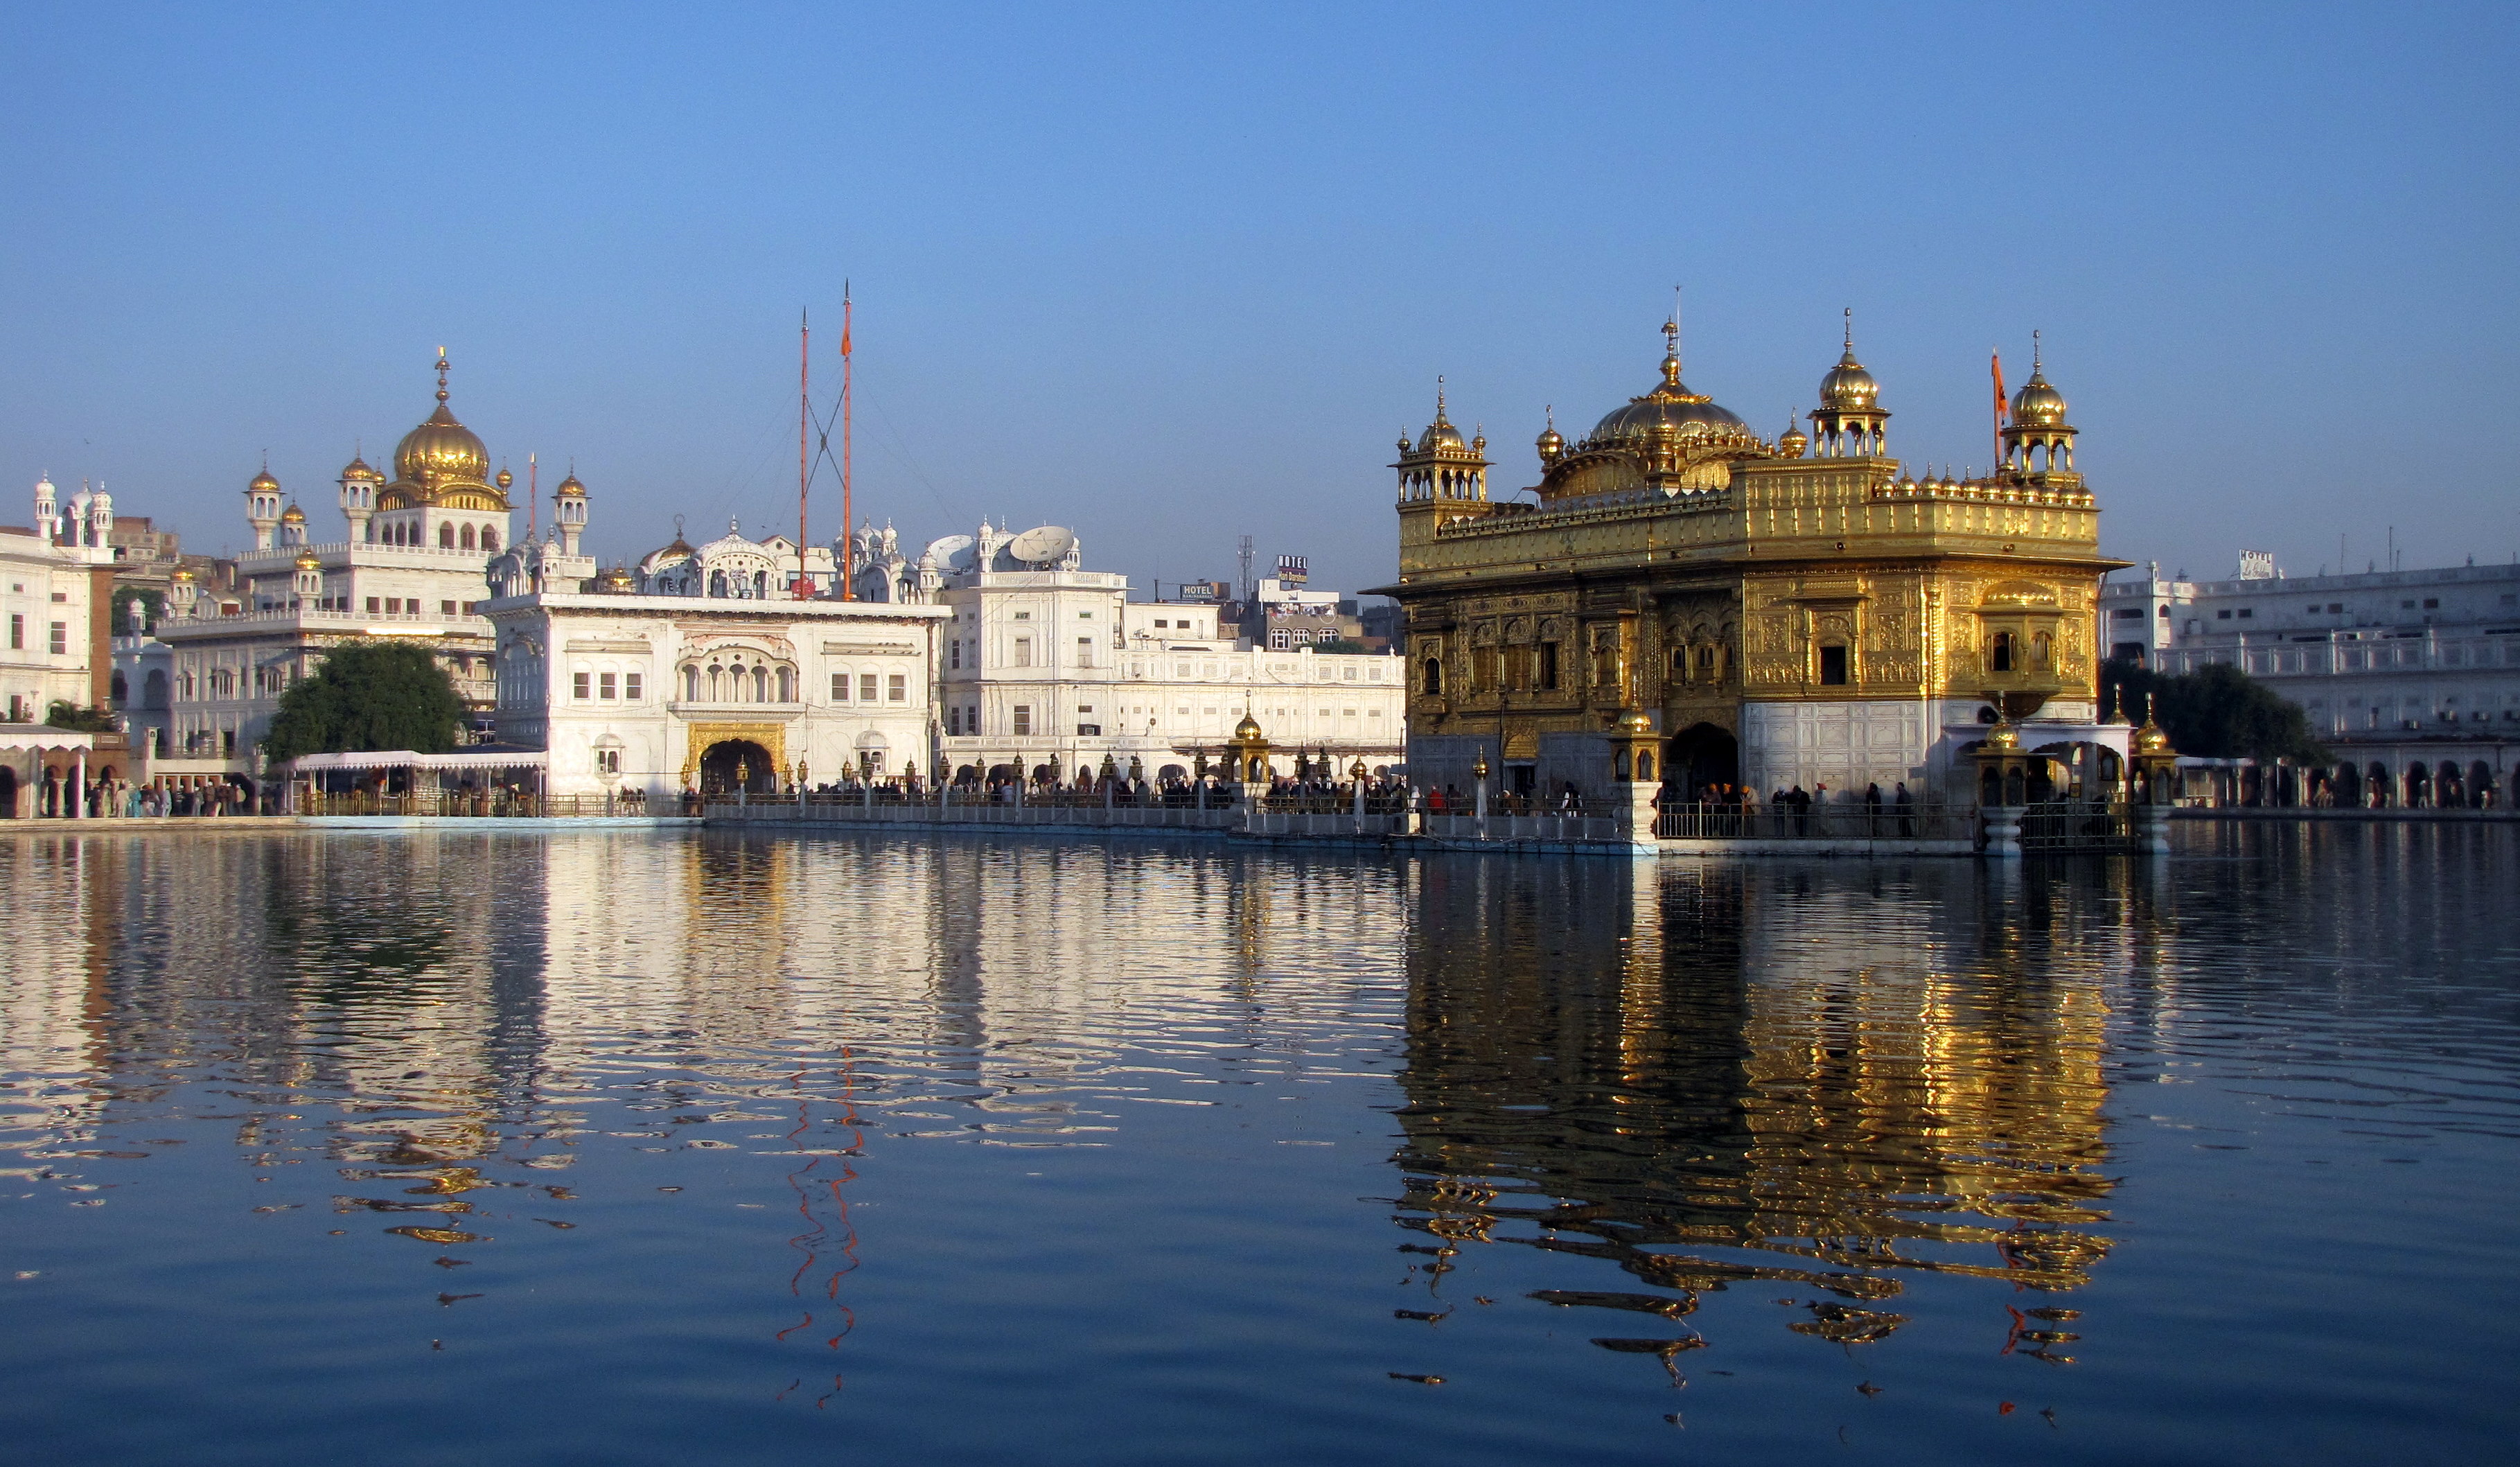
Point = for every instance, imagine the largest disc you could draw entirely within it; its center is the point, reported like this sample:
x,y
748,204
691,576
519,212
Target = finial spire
x,y
441,374
1439,401
2034,353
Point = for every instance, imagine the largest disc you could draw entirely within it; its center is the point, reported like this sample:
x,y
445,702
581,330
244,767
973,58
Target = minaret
x,y
182,592
1849,423
47,512
2038,442
100,518
1441,468
262,507
293,527
309,579
359,495
569,511
77,524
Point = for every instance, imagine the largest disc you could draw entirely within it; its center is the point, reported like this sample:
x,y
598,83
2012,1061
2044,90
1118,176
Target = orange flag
x,y
1995,365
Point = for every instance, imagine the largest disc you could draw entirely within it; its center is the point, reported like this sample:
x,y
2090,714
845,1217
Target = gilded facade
x,y
1804,610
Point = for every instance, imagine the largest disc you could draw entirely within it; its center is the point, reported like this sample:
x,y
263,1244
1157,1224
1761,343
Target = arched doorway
x,y
730,765
1702,755
8,792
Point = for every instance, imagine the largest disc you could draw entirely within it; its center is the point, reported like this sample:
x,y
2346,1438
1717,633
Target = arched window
x,y
787,685
716,683
1432,680
761,685
490,541
2041,648
690,684
446,538
467,537
717,583
1999,656
760,584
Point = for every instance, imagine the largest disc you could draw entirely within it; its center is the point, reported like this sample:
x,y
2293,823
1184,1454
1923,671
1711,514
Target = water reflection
x,y
1005,1137
1727,1073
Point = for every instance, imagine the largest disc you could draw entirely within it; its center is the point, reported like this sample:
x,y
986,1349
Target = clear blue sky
x,y
1176,273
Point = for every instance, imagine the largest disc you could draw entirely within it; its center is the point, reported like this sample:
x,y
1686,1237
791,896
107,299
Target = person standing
x,y
1907,813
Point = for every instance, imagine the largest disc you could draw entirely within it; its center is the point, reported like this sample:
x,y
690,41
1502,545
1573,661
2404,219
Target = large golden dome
x,y
1670,407
1847,387
439,456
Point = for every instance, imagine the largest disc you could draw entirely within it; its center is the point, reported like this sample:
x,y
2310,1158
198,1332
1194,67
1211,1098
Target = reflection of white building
x,y
1048,665
667,691
409,565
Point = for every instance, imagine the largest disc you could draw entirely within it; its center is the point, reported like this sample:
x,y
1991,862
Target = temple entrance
x,y
730,765
1700,756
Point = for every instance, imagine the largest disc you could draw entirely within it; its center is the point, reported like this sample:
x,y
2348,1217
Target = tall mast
x,y
533,501
848,508
804,586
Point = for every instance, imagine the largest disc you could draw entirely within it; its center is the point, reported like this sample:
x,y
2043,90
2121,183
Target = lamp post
x,y
1479,774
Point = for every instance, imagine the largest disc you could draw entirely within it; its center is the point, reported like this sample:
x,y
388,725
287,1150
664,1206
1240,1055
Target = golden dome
x,y
2038,404
263,483
1669,406
1847,387
291,515
1793,442
1634,721
306,560
506,480
1246,730
569,488
2149,739
358,472
183,572
442,450
2003,736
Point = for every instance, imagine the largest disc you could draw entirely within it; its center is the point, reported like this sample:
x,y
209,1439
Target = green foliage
x,y
124,596
1341,646
2217,712
65,713
368,696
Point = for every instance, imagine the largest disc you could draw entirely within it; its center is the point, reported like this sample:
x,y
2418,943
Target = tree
x,y
65,713
2217,712
154,601
368,696
1341,647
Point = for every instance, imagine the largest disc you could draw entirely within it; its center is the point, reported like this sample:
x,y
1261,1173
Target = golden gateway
x,y
1797,613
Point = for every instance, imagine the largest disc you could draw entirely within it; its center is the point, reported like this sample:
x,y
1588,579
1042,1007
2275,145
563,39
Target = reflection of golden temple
x,y
1659,1076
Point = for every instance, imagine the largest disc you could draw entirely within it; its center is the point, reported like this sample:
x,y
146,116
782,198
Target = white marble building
x,y
1049,667
410,563
667,691
56,584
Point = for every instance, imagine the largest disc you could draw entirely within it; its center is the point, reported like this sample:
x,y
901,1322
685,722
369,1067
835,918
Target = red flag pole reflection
x,y
825,1209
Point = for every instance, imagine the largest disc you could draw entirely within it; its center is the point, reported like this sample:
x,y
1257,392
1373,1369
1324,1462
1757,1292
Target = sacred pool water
x,y
617,1147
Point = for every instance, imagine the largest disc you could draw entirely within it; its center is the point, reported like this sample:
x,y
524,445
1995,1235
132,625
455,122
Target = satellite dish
x,y
1042,545
953,552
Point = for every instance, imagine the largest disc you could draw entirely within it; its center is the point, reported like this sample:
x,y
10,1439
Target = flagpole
x,y
848,506
804,586
533,499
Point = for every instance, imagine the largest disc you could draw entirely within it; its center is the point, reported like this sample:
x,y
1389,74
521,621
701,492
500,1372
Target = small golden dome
x,y
306,560
183,572
2038,404
2003,736
1794,443
358,472
1246,730
1848,388
2149,739
263,483
506,480
291,515
1634,721
569,488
